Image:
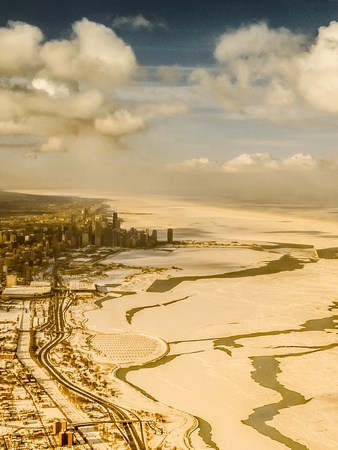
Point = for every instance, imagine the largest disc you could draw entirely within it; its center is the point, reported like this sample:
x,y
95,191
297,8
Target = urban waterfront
x,y
107,346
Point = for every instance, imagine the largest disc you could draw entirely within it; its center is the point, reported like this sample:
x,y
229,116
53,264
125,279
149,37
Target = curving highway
x,y
118,414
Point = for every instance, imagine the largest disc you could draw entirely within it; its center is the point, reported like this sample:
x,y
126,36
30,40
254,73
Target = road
x,y
66,409
60,332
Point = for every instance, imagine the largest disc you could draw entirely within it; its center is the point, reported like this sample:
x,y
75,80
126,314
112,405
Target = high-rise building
x,y
90,233
85,238
116,238
72,222
84,214
63,438
56,429
11,280
153,238
98,231
69,438
28,274
116,222
170,236
143,239
74,240
107,237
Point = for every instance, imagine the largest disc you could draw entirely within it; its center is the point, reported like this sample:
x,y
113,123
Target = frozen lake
x,y
246,352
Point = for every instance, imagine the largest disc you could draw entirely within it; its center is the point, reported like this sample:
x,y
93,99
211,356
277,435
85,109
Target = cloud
x,y
304,161
247,162
53,89
170,74
257,41
20,44
275,74
95,54
136,22
63,90
253,163
53,144
35,113
155,109
197,165
122,122
30,155
318,71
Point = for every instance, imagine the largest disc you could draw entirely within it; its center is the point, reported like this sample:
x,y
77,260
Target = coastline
x,y
214,382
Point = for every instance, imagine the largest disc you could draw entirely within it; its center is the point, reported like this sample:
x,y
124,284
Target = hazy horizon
x,y
218,100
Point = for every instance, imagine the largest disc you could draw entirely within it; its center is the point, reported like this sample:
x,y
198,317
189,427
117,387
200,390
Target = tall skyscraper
x,y
98,231
154,237
170,236
116,221
85,238
107,237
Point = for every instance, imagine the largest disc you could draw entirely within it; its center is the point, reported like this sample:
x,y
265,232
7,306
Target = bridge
x,y
112,422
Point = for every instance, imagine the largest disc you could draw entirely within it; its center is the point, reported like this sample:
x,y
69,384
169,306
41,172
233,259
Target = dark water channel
x,y
131,312
100,301
285,263
266,368
265,373
205,432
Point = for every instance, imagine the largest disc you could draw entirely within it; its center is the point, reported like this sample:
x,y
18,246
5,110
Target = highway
x,y
124,419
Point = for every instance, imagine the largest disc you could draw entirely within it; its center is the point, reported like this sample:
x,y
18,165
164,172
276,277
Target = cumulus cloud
x,y
136,22
318,71
20,44
257,41
253,163
275,73
197,165
53,144
36,113
51,88
61,90
247,162
122,122
95,54
170,74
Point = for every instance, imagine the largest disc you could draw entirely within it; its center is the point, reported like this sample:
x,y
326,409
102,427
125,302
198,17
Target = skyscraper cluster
x,y
28,246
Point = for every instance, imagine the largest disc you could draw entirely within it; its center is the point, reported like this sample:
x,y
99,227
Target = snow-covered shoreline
x,y
219,327
214,381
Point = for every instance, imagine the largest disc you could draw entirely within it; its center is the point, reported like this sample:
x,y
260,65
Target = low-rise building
x,y
81,286
26,292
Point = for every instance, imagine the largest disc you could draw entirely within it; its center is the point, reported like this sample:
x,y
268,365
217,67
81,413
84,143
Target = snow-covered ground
x,y
218,327
253,355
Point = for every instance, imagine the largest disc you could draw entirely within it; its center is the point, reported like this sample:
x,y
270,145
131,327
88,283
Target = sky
x,y
218,98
